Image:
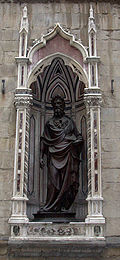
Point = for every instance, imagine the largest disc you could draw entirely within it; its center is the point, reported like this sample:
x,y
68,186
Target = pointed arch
x,y
59,86
58,30
72,63
57,74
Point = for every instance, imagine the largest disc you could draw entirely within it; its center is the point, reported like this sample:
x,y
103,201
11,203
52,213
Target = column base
x,y
19,211
95,226
95,219
18,219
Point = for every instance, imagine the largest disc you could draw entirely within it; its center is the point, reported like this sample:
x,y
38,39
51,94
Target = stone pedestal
x,y
55,217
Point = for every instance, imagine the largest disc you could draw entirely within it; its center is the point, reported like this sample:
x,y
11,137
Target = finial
x,y
91,24
25,12
24,20
91,12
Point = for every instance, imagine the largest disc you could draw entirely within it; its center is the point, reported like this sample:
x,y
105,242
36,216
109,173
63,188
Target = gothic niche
x,y
55,79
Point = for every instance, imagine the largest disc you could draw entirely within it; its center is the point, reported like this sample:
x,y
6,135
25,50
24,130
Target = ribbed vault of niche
x,y
56,78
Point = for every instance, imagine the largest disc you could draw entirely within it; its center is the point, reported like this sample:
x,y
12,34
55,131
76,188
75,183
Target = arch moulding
x,y
58,30
41,64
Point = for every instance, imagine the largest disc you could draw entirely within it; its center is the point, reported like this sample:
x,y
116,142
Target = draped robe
x,y
62,145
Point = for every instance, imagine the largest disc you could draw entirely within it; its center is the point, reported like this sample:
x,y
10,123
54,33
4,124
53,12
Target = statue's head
x,y
58,104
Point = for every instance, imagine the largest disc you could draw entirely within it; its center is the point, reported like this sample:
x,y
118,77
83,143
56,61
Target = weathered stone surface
x,y
4,132
6,164
1,55
112,226
10,56
110,160
10,251
9,35
9,16
5,208
7,100
75,20
71,258
8,70
72,250
108,114
112,251
114,129
111,175
7,144
111,145
42,17
4,227
6,183
7,115
110,100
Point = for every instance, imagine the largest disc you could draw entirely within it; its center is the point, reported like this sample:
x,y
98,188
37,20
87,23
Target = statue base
x,y
55,217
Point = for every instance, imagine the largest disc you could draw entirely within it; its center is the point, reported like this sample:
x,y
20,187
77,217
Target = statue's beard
x,y
58,112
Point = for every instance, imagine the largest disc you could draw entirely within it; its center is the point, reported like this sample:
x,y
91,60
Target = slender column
x,y
95,218
23,101
93,98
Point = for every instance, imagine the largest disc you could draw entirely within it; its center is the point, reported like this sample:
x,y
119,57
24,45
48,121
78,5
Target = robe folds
x,y
62,145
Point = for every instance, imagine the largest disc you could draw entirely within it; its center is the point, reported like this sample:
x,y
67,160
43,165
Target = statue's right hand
x,y
41,163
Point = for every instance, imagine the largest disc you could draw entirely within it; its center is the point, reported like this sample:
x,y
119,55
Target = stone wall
x,y
42,17
108,49
49,251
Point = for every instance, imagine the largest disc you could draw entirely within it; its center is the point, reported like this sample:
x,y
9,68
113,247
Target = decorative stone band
x,y
22,60
92,91
93,97
49,230
23,98
56,230
92,59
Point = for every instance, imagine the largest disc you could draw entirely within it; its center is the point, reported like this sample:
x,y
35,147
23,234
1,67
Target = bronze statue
x,y
62,144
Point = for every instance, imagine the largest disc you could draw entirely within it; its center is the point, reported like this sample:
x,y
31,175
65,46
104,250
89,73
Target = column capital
x,y
22,60
23,98
93,97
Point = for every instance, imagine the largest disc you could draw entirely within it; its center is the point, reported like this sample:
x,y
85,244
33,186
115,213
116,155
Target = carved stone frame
x,y
93,227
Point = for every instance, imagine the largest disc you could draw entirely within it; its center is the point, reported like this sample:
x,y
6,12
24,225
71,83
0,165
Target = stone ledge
x,y
60,249
3,247
55,249
113,241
